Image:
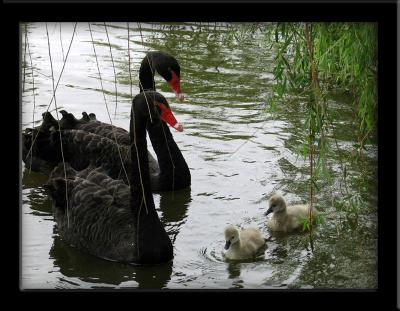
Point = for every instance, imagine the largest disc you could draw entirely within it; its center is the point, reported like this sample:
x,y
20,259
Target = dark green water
x,y
237,153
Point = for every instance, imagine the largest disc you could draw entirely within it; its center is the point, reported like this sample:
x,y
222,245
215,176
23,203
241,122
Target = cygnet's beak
x,y
269,211
227,244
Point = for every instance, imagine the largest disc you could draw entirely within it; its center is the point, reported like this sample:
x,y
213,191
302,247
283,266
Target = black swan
x,y
81,148
105,217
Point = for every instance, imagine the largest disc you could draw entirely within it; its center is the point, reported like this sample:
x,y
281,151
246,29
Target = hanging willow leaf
x,y
311,60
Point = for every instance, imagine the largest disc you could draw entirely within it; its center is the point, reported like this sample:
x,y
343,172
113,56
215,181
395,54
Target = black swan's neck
x,y
153,244
174,171
140,181
146,75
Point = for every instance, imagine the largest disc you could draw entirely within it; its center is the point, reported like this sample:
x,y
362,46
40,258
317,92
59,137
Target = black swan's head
x,y
154,103
168,67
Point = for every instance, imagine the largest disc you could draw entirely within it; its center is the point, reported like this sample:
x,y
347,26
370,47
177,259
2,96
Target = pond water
x,y
238,155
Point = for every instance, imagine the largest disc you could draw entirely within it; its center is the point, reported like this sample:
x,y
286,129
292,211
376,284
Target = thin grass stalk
x,y
58,122
154,87
62,47
105,102
34,97
129,64
115,75
313,102
54,91
26,36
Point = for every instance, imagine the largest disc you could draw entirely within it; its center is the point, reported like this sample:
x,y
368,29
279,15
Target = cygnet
x,y
242,244
287,218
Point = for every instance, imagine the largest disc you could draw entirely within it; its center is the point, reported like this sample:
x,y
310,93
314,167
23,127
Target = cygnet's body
x,y
286,218
242,244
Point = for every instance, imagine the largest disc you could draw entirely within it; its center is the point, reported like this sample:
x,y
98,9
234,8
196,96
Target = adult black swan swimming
x,y
107,218
81,148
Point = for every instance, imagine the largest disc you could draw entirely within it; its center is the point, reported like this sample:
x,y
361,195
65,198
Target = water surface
x,y
238,155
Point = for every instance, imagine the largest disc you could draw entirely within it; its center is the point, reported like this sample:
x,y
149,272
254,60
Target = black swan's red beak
x,y
175,84
168,117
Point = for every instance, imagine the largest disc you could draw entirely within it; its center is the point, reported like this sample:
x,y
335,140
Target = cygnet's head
x,y
276,204
231,235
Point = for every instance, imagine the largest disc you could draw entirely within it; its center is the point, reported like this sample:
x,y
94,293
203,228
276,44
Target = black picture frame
x,y
385,14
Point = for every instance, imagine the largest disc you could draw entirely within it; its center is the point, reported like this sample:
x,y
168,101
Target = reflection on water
x,y
173,206
33,194
237,153
234,270
78,266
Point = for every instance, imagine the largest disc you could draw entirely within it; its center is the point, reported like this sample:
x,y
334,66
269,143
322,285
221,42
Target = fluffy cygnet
x,y
243,244
286,218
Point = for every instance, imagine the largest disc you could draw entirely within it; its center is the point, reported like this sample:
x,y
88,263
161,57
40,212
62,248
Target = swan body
x,y
105,217
286,218
88,123
92,125
242,244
